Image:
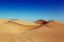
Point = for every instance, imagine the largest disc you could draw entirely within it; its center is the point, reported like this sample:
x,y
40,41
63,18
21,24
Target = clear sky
x,y
32,9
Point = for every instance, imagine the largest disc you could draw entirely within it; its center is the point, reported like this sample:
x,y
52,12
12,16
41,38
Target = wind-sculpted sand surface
x,y
16,31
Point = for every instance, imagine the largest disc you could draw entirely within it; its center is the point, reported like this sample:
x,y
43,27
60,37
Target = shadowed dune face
x,y
13,19
41,22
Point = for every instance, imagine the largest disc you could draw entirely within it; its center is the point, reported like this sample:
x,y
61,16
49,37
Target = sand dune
x,y
55,24
16,26
50,32
3,20
24,22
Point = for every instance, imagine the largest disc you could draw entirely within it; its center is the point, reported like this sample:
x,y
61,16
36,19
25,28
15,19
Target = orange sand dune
x,y
50,32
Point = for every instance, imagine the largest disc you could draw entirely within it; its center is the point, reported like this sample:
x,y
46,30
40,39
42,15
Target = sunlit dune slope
x,y
3,20
24,22
50,32
55,24
17,26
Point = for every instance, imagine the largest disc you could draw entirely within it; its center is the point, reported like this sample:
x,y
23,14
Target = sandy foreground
x,y
20,32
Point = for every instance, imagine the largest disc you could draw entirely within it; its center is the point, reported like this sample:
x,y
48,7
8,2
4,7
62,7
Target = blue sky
x,y
32,9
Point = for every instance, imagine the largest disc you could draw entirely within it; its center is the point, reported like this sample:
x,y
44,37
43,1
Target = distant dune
x,y
15,30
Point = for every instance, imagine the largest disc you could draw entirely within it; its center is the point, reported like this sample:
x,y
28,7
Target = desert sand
x,y
23,31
